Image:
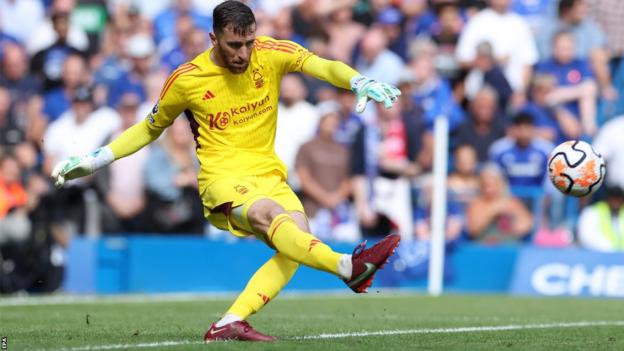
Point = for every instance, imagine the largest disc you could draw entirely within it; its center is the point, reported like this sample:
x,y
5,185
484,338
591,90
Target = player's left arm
x,y
343,76
292,57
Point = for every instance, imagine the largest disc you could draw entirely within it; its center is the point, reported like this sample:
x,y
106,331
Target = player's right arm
x,y
170,105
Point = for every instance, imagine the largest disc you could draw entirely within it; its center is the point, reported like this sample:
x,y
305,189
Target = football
x,y
575,168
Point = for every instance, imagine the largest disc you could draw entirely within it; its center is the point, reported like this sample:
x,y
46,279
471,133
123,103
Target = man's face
x,y
524,134
564,50
483,107
235,49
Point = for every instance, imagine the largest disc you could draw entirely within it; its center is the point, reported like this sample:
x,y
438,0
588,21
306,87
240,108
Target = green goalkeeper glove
x,y
76,167
366,89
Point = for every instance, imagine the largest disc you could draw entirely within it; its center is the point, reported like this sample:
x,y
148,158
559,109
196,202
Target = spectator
x,y
306,19
511,39
13,199
47,64
112,60
495,216
30,257
344,34
607,14
590,41
15,225
375,60
164,23
15,77
445,34
140,49
390,20
522,157
19,19
535,12
122,183
58,100
576,87
23,105
610,142
484,126
45,35
171,182
422,218
192,45
487,72
297,123
553,122
432,93
10,131
282,27
350,122
601,225
77,132
170,49
381,170
322,166
463,182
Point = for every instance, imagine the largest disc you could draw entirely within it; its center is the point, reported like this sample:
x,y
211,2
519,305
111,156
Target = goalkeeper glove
x,y
76,167
366,89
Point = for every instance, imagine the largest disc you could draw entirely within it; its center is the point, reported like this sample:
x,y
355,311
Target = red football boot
x,y
367,261
239,330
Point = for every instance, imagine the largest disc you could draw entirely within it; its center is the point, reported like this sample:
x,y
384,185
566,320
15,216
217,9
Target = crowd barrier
x,y
154,264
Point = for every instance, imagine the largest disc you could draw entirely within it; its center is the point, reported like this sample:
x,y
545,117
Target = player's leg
x,y
279,229
266,283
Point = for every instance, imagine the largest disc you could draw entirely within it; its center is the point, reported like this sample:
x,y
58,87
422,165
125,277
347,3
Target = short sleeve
x,y
285,54
172,101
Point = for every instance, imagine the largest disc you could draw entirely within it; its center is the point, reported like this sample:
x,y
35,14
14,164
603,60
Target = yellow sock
x,y
300,246
265,284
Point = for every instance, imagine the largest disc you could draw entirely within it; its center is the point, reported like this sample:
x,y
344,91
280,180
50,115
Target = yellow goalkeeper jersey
x,y
233,116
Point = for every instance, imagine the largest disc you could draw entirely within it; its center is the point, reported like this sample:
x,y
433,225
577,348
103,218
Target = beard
x,y
230,65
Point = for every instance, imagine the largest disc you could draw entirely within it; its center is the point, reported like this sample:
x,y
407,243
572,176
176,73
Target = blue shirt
x,y
524,167
127,83
174,58
55,103
587,37
387,67
437,99
544,117
567,74
164,24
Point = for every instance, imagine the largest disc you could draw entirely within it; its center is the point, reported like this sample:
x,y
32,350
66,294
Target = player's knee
x,y
260,215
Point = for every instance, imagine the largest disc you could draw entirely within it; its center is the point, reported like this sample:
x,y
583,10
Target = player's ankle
x,y
227,319
345,267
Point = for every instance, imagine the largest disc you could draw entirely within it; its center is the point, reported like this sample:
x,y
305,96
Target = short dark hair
x,y
523,118
565,6
235,13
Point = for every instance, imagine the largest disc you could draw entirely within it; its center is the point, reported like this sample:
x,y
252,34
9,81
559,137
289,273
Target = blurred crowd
x,y
513,78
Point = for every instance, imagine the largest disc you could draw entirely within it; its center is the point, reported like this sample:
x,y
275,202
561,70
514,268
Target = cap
x,y
140,46
389,16
326,107
83,94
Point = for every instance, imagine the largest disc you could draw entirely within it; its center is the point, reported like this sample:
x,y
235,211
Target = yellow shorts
x,y
225,194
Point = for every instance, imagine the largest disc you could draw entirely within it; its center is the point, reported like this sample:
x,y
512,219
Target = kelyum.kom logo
x,y
238,115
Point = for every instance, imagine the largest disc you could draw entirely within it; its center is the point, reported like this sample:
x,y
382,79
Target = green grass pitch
x,y
387,321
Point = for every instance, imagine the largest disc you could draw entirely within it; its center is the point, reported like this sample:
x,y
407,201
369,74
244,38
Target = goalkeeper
x,y
229,95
